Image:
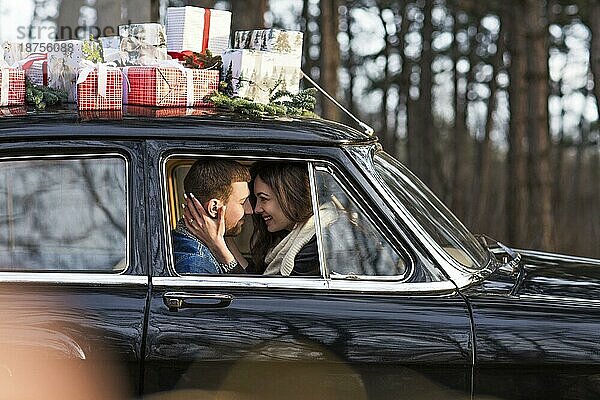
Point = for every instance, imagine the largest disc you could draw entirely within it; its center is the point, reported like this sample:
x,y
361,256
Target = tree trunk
x,y
109,15
517,195
427,142
140,10
541,188
385,134
329,56
460,136
68,19
594,26
248,14
485,155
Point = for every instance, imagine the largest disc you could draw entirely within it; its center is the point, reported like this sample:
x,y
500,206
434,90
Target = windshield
x,y
437,220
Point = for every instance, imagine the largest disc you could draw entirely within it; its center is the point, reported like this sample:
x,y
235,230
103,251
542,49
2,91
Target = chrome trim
x,y
331,170
561,300
315,205
226,282
442,287
547,256
73,277
127,193
450,267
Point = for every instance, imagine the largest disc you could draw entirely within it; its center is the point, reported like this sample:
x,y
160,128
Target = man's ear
x,y
212,207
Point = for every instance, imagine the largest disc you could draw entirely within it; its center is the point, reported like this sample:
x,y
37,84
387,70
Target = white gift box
x,y
196,29
63,65
275,40
149,33
257,75
141,44
38,73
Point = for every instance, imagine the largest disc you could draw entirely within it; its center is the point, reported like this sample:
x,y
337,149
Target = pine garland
x,y
42,96
300,104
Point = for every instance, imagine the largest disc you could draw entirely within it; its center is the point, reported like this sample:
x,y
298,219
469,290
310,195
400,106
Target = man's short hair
x,y
212,179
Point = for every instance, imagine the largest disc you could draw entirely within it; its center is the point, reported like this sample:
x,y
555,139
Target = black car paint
x,y
539,333
540,342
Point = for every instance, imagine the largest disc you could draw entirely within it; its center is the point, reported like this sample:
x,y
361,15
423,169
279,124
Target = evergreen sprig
x,y
300,104
42,96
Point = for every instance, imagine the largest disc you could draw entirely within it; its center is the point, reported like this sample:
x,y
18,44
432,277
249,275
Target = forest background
x,y
493,104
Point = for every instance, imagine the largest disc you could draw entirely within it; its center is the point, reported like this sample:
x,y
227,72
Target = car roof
x,y
191,123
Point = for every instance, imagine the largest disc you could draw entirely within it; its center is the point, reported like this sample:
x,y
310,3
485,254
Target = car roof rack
x,y
367,129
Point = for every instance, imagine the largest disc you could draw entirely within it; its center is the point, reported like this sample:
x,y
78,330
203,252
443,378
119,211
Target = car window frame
x,y
255,282
82,276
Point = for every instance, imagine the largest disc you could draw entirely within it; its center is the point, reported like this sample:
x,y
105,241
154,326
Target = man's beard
x,y
235,230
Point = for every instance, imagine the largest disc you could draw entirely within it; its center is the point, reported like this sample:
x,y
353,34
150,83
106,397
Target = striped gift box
x,y
12,87
168,86
88,97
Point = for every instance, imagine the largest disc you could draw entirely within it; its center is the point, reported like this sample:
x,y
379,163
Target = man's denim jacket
x,y
191,255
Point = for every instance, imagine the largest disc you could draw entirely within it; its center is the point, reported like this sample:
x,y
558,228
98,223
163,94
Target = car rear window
x,y
63,214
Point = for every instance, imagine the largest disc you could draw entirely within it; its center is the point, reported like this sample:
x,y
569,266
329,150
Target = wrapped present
x,y
142,44
111,49
63,63
169,85
12,85
159,112
197,29
37,73
14,52
99,87
274,40
257,75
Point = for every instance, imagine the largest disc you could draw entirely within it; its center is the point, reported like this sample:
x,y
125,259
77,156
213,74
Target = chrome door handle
x,y
177,300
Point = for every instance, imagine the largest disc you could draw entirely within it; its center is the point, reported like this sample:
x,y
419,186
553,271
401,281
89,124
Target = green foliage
x,y
301,104
92,50
42,96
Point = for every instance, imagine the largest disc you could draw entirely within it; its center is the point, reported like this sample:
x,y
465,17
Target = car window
x,y
352,244
63,214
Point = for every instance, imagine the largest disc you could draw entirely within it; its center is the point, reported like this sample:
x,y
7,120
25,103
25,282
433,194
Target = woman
x,y
284,241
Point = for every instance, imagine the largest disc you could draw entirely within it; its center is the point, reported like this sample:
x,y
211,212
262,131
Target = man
x,y
221,188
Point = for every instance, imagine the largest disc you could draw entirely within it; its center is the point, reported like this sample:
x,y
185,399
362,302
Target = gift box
x,y
12,87
169,86
257,75
63,63
100,88
142,44
197,29
37,73
111,49
159,112
274,40
14,52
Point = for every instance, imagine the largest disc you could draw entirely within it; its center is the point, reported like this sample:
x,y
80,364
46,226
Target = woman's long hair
x,y
291,187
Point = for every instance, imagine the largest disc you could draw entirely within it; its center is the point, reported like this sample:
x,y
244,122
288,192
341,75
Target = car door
x,y
73,280
297,337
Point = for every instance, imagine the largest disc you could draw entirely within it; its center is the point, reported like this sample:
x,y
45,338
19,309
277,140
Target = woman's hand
x,y
210,231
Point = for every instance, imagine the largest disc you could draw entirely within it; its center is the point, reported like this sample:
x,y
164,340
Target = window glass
x,y
63,215
352,244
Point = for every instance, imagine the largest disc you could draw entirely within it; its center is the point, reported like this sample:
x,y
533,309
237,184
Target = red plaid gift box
x,y
12,87
159,112
170,86
89,98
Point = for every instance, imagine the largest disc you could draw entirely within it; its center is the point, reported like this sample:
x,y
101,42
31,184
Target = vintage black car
x,y
410,304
